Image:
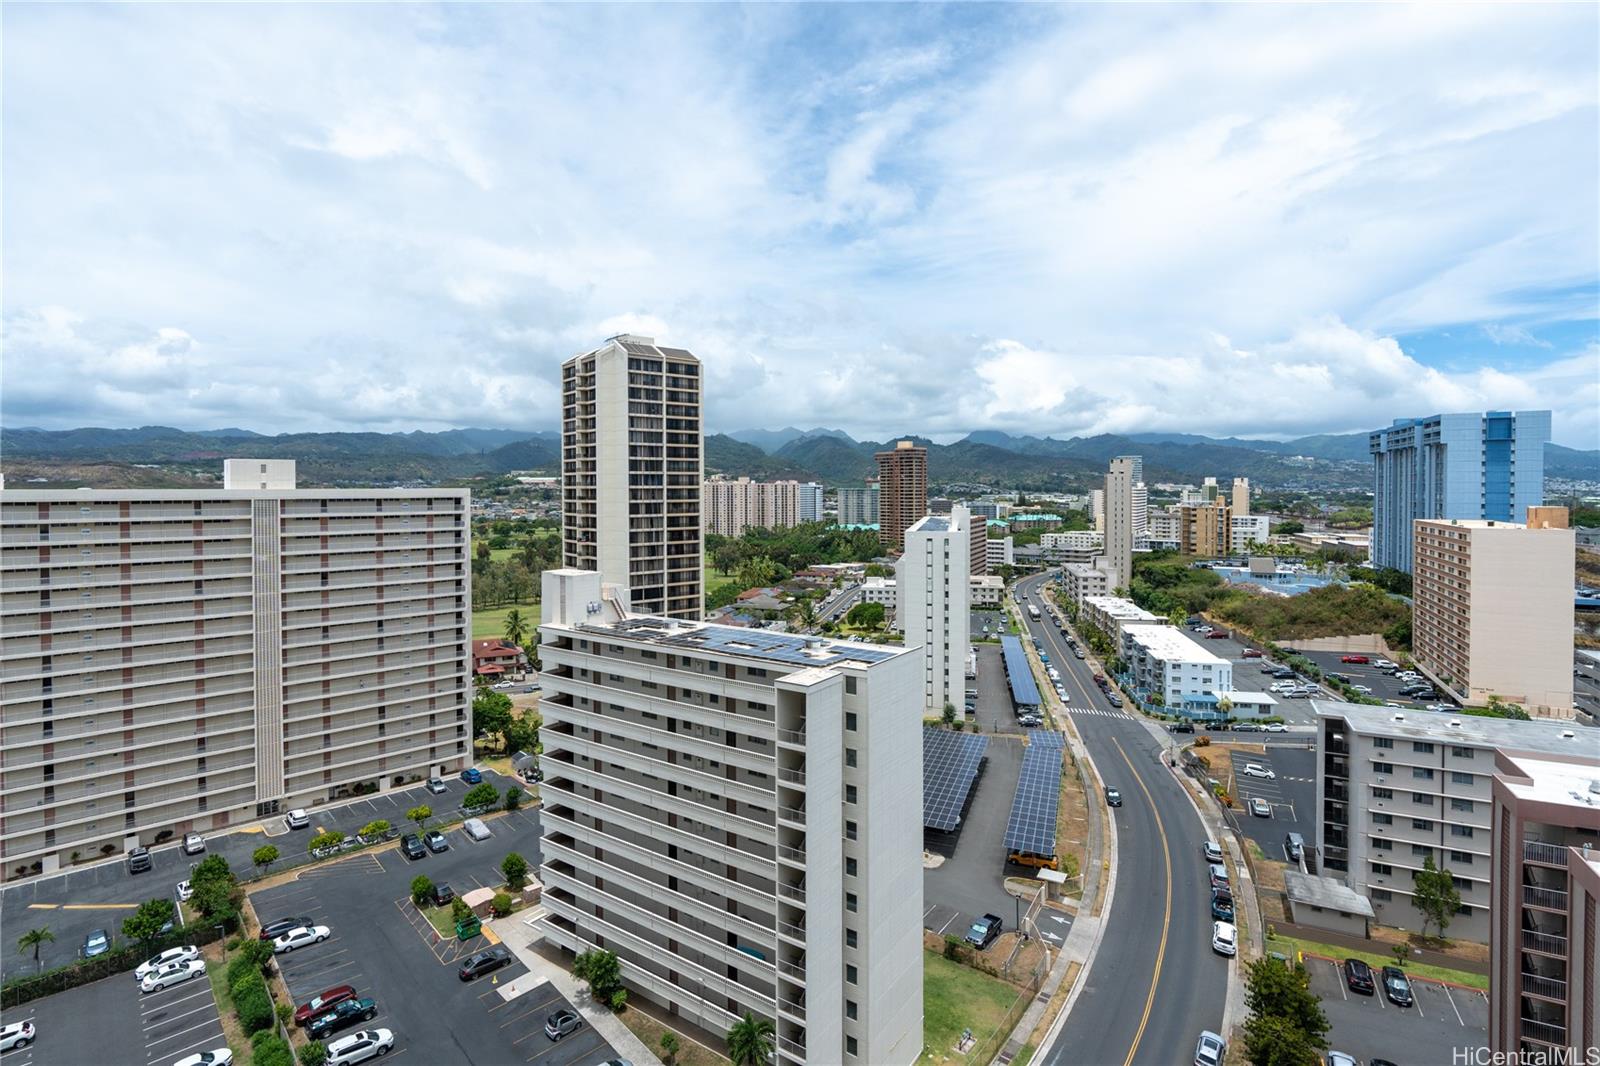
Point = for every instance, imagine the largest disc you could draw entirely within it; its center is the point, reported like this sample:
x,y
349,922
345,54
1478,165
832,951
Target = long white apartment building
x,y
186,660
1110,613
1397,786
733,505
1163,661
987,590
1001,551
1082,580
935,593
737,815
631,472
1544,976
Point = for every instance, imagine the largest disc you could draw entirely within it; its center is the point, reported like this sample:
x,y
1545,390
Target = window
x,y
1383,793
1422,773
850,716
850,794
850,867
1380,844
1461,753
849,756
851,904
849,938
1383,742
850,831
850,1046
1462,858
1461,831
1382,868
1459,778
1422,747
850,687
850,973
851,1011
1382,819
1422,799
1382,767
1380,894
1421,851
1464,909
1422,824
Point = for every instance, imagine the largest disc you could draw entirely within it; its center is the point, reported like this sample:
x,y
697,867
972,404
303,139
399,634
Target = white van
x,y
476,829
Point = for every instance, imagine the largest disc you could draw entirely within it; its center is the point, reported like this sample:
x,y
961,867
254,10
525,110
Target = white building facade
x,y
1162,661
810,502
935,599
1245,530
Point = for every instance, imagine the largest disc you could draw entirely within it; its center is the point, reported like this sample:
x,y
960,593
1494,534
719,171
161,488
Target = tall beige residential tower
x,y
902,491
737,815
1241,497
185,660
631,472
1123,493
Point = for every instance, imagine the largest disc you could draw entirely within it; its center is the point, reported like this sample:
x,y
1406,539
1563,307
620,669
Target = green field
x,y
716,581
957,997
492,622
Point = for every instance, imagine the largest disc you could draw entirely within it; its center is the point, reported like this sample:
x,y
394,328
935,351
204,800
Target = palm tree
x,y
750,1041
33,938
804,613
516,627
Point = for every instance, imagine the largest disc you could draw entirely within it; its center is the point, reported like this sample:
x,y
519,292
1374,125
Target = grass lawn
x,y
1289,945
716,581
492,622
957,997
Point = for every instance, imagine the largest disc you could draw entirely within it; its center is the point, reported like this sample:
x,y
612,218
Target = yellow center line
x,y
1166,917
43,906
99,906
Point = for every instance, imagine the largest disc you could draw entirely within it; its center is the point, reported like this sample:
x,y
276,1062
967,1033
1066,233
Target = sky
x,y
1245,220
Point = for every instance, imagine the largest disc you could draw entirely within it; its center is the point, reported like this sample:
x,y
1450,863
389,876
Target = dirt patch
x,y
1057,1000
1456,949
1072,827
1269,890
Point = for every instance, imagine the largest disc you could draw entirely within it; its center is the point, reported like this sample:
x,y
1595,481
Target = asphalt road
x,y
1155,983
99,896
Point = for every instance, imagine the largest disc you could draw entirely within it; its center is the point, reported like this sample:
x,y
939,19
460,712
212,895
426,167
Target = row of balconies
x,y
28,559
67,662
25,514
153,747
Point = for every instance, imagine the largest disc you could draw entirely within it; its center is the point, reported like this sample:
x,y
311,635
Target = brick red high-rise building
x,y
902,492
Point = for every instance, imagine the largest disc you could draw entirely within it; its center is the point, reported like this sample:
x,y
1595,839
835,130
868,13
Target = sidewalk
x,y
515,933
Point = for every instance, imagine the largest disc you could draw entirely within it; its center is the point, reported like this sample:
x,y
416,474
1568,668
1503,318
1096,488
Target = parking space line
x,y
151,1004
210,1041
192,1028
178,1017
1416,999
1453,1006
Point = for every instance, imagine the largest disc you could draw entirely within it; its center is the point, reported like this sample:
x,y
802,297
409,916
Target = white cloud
x,y
1041,219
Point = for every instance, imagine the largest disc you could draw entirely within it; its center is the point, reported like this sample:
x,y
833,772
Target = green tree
x,y
669,1048
879,570
500,904
491,712
145,923
725,559
482,794
421,889
949,715
211,898
1434,894
263,857
34,939
516,627
314,1053
212,868
1272,989
865,616
1271,1040
750,1041
804,613
515,869
603,972
760,571
522,734
420,815
375,828
330,839
1291,526
514,797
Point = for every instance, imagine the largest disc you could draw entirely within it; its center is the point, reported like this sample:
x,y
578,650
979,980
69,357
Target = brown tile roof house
x,y
497,656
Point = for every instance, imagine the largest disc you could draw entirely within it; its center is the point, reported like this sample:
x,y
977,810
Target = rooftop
x,y
1462,729
1325,892
1119,608
931,524
1569,784
756,644
1168,643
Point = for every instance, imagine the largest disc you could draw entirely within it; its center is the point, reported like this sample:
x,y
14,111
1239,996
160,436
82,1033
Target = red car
x,y
321,1004
1217,634
1252,653
1360,660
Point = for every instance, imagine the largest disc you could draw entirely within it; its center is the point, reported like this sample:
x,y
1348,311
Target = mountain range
x,y
988,457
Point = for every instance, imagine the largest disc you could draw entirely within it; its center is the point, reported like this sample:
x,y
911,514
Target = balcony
x,y
1543,1032
792,931
797,893
1547,987
794,855
1545,854
793,777
1545,943
796,737
791,969
792,1047
1554,899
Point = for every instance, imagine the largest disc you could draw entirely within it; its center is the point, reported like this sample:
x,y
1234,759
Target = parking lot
x,y
995,620
99,896
1443,1020
111,1021
1292,794
1383,686
385,948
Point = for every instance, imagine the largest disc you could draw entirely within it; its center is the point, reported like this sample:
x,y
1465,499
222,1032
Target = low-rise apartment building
x,y
1082,580
737,814
1395,787
186,660
1001,552
1545,973
1163,662
1110,613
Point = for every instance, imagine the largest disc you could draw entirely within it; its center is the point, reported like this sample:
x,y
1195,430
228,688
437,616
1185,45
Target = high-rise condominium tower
x,y
1241,497
631,471
1123,481
182,660
1488,466
902,491
810,501
934,588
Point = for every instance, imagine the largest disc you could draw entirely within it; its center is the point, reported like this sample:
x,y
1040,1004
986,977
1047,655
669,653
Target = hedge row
x,y
20,990
270,1049
251,1002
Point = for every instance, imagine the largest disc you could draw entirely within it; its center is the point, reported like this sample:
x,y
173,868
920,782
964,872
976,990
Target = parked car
x,y
1113,797
1184,726
1113,699
1251,653
1341,1058
97,943
1294,846
359,1047
472,775
1358,977
276,929
1359,660
442,895
16,1035
411,846
1397,986
562,1023
218,1057
1255,769
1222,905
342,1016
983,932
436,785
184,891
1210,1049
299,938
435,841
138,860
1219,876
1275,727
297,819
1383,664
166,958
1217,634
476,829
1212,851
1260,807
1224,939
322,1003
173,973
1246,727
1365,690
484,962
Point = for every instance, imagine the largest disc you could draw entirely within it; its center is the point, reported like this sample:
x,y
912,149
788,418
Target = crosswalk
x,y
1097,712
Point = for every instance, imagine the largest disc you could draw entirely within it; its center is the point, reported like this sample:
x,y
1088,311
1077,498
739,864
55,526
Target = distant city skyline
x,y
298,217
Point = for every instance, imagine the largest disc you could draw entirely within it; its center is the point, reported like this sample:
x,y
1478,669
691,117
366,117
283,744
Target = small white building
x,y
1162,660
1245,530
987,590
1001,552
879,590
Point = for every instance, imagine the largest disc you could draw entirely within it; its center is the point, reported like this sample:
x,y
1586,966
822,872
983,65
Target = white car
x,y
1275,727
299,937
505,684
1382,663
476,829
172,974
1255,769
185,891
297,819
16,1035
193,844
1363,689
1340,1058
359,1047
220,1057
1210,1049
1224,939
166,958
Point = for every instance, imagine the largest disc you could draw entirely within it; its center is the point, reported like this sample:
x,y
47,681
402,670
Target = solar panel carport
x,y
1024,692
949,765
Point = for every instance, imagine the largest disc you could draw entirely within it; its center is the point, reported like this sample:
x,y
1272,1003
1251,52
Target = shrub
x,y
500,905
251,1002
514,797
618,1000
421,889
459,911
331,839
375,828
285,1013
314,1054
270,1049
253,955
952,948
481,795
515,869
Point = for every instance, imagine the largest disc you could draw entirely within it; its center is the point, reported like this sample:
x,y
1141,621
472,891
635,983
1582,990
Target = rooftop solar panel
x,y
1024,693
1031,828
949,765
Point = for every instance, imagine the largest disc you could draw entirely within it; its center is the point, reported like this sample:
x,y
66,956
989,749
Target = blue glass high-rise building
x,y
1488,466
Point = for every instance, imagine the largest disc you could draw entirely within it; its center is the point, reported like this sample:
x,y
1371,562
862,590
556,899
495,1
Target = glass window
x,y
1459,778
850,867
1422,799
1421,747
1461,858
1383,767
1383,742
851,1011
849,756
1383,793
850,716
850,973
849,793
1422,824
849,938
1461,805
1382,819
850,687
1461,831
850,1046
1422,773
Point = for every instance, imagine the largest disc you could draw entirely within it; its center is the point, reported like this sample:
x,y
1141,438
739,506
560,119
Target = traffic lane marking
x,y
1166,920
